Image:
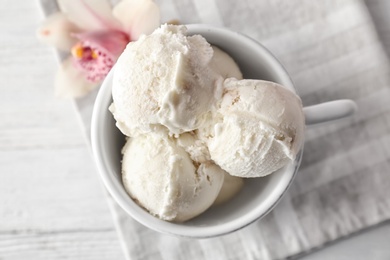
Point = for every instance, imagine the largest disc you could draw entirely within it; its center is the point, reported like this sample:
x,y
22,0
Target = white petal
x,y
56,30
90,14
138,16
70,82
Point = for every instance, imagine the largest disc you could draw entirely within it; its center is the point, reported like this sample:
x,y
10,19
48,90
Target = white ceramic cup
x,y
259,195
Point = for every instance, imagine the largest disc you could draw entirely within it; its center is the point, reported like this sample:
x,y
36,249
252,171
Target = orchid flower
x,y
94,34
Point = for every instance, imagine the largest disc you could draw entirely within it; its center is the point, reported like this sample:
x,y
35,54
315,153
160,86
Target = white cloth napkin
x,y
332,50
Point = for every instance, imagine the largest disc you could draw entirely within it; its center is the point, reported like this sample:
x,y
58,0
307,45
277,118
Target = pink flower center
x,y
97,53
81,52
95,62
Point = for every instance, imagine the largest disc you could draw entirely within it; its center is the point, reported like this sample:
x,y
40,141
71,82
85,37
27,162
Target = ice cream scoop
x,y
161,177
259,129
166,79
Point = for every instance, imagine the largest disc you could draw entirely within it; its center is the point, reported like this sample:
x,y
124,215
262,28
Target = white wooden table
x,y
52,205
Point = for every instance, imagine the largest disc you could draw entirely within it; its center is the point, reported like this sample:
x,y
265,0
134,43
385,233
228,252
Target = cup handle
x,y
329,111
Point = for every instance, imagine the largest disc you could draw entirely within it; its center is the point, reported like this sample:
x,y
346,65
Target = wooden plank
x,y
66,244
52,204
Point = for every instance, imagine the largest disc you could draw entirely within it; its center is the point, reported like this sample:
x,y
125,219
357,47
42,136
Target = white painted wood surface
x,y
52,205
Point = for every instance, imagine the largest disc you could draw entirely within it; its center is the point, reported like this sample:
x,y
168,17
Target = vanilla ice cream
x,y
194,127
231,186
199,153
259,128
165,79
224,65
163,179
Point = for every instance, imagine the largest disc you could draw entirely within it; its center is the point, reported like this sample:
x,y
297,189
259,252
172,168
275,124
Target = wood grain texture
x,y
64,244
52,205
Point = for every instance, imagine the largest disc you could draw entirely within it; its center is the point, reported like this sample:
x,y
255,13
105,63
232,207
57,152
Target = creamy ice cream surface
x,y
165,79
223,64
161,177
259,130
231,186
